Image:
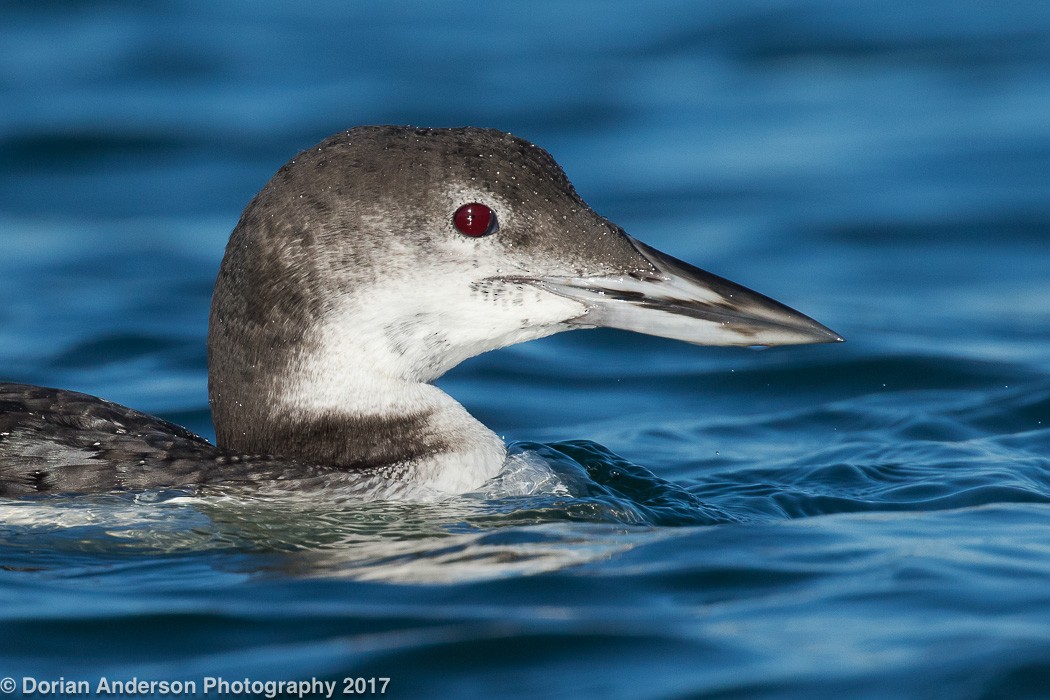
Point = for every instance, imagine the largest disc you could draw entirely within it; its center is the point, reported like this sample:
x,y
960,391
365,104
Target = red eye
x,y
474,220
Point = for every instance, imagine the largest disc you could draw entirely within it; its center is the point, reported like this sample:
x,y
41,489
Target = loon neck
x,y
406,431
324,392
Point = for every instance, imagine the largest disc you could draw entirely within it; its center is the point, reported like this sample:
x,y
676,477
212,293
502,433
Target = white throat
x,y
375,360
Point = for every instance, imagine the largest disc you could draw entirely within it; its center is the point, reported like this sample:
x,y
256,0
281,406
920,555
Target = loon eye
x,y
474,220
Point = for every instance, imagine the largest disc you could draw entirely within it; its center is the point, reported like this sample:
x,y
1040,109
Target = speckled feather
x,y
54,441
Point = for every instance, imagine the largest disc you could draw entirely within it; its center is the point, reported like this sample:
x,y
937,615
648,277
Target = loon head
x,y
374,262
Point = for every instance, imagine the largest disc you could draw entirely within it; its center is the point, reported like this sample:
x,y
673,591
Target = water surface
x,y
863,520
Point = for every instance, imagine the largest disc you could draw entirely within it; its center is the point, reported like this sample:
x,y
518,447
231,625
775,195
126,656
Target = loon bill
x,y
367,267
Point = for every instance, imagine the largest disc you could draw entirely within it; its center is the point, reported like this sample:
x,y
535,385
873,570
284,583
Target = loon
x,y
366,268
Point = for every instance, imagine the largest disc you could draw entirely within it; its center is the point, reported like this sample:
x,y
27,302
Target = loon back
x,y
56,440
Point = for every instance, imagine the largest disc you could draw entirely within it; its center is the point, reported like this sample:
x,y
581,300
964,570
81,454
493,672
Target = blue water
x,y
863,520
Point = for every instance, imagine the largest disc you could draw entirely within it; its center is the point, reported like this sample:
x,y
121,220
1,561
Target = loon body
x,y
366,268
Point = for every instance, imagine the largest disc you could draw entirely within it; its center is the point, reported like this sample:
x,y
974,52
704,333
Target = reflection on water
x,y
535,516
